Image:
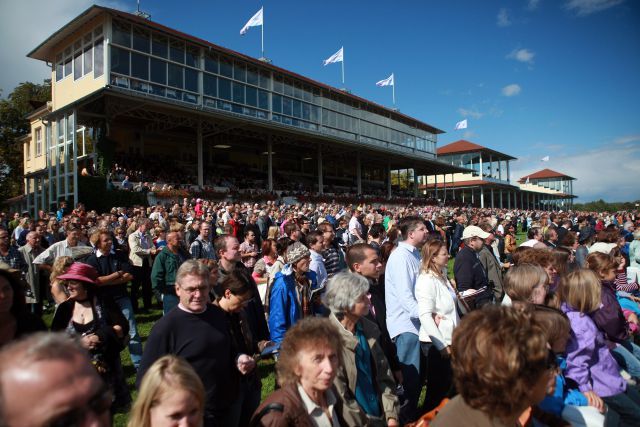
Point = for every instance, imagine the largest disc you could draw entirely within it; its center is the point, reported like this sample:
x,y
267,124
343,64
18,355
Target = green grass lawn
x,y
145,323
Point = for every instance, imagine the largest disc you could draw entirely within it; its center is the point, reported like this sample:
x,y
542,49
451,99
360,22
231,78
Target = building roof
x,y
545,173
44,52
464,146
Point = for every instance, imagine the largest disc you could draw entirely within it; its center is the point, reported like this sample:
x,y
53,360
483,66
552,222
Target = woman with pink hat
x,y
99,325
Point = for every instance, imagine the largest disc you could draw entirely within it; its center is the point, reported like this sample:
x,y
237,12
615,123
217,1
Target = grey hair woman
x,y
369,399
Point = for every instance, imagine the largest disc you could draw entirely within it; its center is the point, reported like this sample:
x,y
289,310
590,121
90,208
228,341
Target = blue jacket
x,y
284,309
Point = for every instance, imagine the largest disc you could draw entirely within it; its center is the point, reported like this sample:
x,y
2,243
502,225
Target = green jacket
x,y
163,273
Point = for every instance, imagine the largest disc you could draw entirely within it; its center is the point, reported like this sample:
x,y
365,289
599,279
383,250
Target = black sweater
x,y
204,341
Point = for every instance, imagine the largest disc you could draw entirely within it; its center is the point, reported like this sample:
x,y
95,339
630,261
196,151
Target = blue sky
x,y
533,77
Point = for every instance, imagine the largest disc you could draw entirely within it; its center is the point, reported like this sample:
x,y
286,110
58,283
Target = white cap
x,y
473,231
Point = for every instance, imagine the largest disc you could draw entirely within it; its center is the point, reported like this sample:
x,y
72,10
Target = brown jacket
x,y
345,381
287,410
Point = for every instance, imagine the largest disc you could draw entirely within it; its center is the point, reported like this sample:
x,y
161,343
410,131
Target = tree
x,y
13,125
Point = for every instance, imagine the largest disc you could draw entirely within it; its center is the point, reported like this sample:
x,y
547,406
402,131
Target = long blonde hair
x,y
429,252
166,375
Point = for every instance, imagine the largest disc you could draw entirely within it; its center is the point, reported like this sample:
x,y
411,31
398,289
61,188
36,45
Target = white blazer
x,y
435,296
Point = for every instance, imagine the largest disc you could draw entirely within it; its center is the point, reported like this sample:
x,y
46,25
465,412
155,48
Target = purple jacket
x,y
589,362
609,317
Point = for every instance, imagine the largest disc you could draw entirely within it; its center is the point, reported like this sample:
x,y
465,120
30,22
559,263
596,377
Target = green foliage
x,y
13,125
602,206
93,193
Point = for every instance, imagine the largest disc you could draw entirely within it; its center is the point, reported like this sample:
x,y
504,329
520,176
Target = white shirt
x,y
435,296
354,226
58,249
317,415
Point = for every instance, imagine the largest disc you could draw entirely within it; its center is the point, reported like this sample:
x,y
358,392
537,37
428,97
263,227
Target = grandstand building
x,y
125,87
486,181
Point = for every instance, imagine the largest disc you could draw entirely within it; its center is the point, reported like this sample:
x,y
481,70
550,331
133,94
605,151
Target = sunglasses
x,y
98,404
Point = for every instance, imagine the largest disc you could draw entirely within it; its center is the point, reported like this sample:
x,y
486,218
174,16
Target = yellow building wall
x,y
33,162
457,177
68,90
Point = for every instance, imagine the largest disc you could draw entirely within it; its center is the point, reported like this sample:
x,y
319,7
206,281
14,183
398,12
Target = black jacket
x,y
470,274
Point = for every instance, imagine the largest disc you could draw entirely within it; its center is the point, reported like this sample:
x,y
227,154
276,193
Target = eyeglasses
x,y
191,291
98,404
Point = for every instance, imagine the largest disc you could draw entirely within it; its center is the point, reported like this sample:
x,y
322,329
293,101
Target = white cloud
x,y
616,181
522,55
627,139
533,4
470,112
587,7
503,18
26,24
511,90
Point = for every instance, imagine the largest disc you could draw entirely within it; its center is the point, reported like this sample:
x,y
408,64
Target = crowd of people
x,y
359,305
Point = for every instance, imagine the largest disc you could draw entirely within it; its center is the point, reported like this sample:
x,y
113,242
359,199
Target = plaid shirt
x,y
15,259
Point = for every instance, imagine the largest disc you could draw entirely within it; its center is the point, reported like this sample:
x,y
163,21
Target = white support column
x,y
74,144
320,183
435,185
444,188
199,154
359,173
492,203
453,189
481,197
270,164
388,180
27,192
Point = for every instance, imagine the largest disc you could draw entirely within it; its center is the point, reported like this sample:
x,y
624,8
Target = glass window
x,y
59,68
88,59
141,40
158,71
68,66
315,114
298,90
191,80
277,84
157,90
252,76
287,106
193,56
119,60
210,85
159,45
226,67
140,66
87,38
252,96
211,63
122,33
276,103
239,72
238,93
224,89
306,111
176,50
98,58
176,78
297,108
264,79
288,87
263,99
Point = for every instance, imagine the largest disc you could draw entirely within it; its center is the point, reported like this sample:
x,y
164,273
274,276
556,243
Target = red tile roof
x,y
460,146
464,146
544,173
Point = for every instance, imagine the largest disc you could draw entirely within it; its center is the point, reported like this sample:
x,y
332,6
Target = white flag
x,y
386,82
255,21
545,159
461,125
336,57
527,181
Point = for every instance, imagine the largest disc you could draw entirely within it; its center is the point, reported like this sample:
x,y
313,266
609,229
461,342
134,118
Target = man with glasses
x,y
9,254
47,379
198,332
468,269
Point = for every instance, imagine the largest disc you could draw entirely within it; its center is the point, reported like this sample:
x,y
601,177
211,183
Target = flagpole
x,y
393,89
262,31
342,65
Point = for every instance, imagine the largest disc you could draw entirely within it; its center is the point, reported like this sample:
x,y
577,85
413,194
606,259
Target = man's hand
x,y
594,400
245,364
